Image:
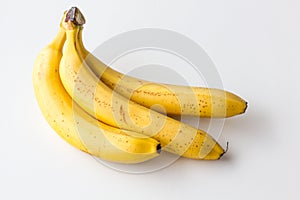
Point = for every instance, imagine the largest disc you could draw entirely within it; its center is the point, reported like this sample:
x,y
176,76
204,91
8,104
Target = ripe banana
x,y
73,124
176,100
111,108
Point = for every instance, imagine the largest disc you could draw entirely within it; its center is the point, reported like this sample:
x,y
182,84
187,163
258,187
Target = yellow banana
x,y
73,124
111,108
176,100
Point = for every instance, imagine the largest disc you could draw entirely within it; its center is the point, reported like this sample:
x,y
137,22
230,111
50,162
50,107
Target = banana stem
x,y
75,16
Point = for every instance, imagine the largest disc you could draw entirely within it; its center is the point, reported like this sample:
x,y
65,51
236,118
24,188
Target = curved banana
x,y
73,124
176,100
111,108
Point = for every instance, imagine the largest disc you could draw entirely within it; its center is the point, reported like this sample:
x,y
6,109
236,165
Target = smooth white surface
x,y
255,46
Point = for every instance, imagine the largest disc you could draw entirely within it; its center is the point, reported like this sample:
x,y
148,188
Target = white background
x,y
255,46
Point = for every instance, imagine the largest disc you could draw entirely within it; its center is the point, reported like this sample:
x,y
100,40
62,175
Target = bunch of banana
x,y
107,114
73,124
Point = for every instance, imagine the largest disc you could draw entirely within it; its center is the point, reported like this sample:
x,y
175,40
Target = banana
x,y
176,100
73,124
113,109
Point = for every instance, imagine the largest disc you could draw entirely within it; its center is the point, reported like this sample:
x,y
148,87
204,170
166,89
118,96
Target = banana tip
x,y
158,148
246,106
227,144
